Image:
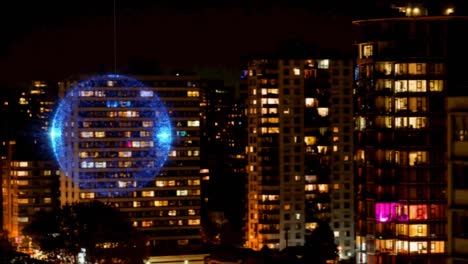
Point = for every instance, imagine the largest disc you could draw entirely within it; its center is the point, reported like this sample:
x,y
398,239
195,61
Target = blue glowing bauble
x,y
111,134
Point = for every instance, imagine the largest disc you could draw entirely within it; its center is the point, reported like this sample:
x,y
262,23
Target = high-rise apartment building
x,y
457,179
406,66
114,138
224,131
28,186
296,140
28,174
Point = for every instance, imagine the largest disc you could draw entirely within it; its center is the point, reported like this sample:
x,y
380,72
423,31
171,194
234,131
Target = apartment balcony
x,y
460,197
460,150
460,246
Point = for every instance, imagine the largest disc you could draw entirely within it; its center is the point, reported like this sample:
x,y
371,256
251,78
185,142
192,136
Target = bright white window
x,y
101,164
22,173
146,93
87,134
193,123
182,192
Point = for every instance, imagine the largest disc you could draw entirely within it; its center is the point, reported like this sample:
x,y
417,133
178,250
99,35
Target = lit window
x,y
147,194
87,134
193,182
147,123
417,85
146,93
273,101
401,86
193,123
87,164
401,68
437,246
436,85
22,182
417,157
22,173
193,93
172,212
86,93
125,154
311,102
128,114
23,219
23,200
146,223
145,144
161,183
418,247
161,203
309,140
417,230
182,192
87,195
323,188
101,164
136,204
418,212
194,221
297,71
182,242
322,111
416,68
323,64
191,212
367,51
449,11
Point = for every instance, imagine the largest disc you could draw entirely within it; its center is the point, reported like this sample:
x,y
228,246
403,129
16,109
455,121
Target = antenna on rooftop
x,y
115,38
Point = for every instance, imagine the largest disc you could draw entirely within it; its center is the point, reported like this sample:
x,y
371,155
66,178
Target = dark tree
x,y
320,245
104,232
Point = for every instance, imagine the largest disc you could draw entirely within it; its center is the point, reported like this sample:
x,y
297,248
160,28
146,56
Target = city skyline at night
x,y
286,132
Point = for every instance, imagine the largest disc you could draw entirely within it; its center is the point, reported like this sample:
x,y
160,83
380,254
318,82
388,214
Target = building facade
x,y
290,148
457,179
114,136
406,66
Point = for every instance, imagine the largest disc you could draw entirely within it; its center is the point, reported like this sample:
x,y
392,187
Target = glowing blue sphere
x,y
111,134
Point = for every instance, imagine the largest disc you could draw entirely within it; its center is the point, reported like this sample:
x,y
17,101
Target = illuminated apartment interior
x,y
401,84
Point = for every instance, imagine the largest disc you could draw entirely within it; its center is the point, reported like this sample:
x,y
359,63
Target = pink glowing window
x,y
385,212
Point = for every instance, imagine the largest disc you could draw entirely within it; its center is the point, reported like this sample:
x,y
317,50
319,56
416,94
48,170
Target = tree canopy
x,y
103,232
320,245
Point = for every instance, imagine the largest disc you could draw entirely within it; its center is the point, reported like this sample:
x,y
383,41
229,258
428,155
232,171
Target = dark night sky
x,y
56,39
